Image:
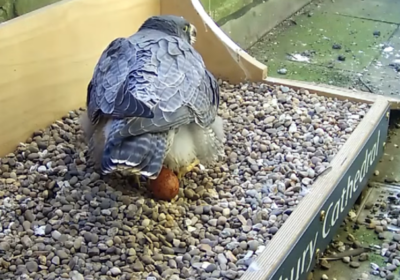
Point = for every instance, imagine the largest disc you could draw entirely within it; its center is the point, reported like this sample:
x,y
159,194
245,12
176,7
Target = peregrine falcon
x,y
151,102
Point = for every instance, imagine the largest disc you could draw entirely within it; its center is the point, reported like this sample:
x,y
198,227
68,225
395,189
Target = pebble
x,y
75,275
390,276
363,257
282,71
32,266
391,267
55,260
138,266
377,33
253,245
354,264
56,235
336,46
62,254
87,226
115,271
226,212
4,246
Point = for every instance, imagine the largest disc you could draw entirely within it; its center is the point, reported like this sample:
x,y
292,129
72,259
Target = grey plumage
x,y
147,93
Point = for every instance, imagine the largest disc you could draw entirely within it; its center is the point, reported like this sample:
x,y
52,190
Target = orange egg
x,y
166,186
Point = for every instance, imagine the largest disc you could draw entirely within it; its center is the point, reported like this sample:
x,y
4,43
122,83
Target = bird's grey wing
x,y
206,106
110,91
186,91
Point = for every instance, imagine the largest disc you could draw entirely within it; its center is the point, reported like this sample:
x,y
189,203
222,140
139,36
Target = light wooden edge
x,y
47,58
280,245
334,92
224,58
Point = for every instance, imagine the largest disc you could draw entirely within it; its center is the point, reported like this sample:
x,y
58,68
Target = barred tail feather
x,y
155,162
142,154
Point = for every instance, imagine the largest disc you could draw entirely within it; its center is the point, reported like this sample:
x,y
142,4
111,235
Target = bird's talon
x,y
180,175
187,169
137,179
192,165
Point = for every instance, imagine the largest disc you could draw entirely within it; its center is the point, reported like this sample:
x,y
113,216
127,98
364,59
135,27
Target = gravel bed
x,y
61,220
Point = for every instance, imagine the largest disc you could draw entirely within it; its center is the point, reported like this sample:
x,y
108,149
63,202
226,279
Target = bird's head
x,y
172,25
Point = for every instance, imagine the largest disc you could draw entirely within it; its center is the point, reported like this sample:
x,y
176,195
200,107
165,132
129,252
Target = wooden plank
x,y
281,244
260,19
334,92
325,90
223,57
47,58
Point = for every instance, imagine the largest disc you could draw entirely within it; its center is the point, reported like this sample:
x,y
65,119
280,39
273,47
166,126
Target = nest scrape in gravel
x,y
61,220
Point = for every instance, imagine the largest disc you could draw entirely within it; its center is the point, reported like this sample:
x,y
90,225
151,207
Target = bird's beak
x,y
193,34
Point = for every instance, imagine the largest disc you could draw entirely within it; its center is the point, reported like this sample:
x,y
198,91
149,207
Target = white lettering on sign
x,y
333,212
335,209
305,259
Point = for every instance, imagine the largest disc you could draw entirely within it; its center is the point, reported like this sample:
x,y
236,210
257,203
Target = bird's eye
x,y
186,28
